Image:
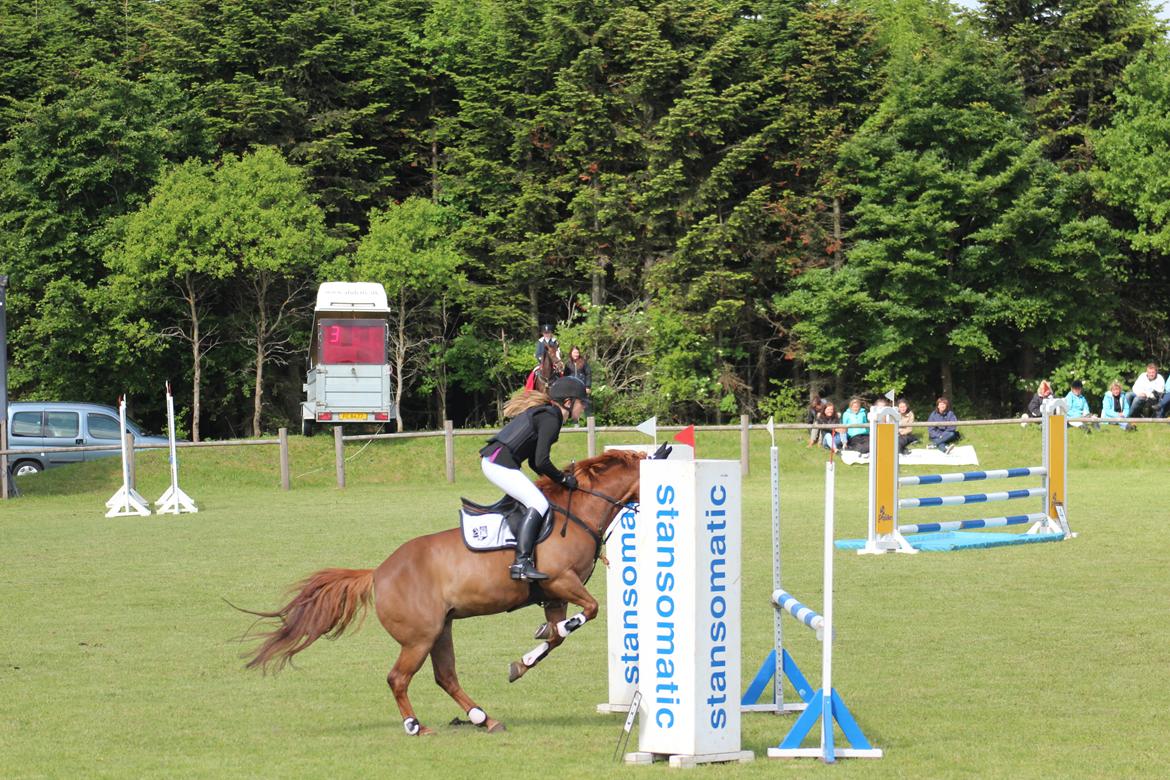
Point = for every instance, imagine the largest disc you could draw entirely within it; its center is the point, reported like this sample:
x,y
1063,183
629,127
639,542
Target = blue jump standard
x,y
817,703
959,540
768,669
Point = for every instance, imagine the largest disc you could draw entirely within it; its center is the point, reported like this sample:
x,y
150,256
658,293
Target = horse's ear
x,y
662,453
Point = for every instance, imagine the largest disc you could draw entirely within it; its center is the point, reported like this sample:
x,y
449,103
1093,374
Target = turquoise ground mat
x,y
959,540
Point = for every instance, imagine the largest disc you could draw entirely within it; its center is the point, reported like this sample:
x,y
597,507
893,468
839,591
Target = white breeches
x,y
515,484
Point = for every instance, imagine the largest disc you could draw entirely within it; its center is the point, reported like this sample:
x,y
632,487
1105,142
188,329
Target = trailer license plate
x,y
354,416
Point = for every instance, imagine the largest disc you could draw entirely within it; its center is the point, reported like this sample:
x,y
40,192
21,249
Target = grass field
x,y
119,656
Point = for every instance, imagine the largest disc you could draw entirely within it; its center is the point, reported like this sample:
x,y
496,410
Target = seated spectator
x,y
1148,393
1078,405
1115,406
857,435
1042,394
943,436
906,435
810,416
831,439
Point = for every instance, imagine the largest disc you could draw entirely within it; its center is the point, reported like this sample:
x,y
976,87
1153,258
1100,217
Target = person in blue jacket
x,y
943,436
857,431
1115,406
1078,405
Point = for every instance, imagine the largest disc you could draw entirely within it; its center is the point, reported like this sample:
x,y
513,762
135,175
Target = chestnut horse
x,y
433,580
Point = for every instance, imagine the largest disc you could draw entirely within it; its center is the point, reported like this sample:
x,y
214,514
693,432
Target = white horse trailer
x,y
349,374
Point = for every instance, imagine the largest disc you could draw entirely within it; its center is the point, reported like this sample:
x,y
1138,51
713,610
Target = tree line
x,y
727,205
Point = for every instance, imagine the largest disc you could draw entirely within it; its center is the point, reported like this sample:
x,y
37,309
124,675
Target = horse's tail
x,y
327,601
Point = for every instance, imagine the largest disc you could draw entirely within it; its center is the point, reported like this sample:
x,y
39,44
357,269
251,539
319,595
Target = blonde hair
x,y
522,400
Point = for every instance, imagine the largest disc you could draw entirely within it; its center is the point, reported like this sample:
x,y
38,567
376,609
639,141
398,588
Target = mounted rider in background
x,y
535,425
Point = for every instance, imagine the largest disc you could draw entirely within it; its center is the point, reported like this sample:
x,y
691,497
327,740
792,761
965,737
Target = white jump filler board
x,y
621,606
687,591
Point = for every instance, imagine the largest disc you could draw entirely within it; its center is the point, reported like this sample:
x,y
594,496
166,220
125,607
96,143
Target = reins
x,y
567,511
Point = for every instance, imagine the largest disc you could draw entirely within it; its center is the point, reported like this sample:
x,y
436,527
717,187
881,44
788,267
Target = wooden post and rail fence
x,y
449,432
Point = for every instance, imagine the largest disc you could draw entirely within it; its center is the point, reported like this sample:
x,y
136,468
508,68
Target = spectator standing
x,y
578,366
857,434
906,435
1078,405
1115,405
1149,392
943,436
831,439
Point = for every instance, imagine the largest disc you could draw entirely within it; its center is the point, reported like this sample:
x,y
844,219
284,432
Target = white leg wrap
x,y
535,654
411,725
566,627
477,716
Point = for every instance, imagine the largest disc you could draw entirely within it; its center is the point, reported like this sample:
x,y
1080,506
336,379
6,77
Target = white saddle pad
x,y
962,455
486,532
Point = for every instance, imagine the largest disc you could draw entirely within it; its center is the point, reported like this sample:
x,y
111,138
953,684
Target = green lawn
x,y
119,656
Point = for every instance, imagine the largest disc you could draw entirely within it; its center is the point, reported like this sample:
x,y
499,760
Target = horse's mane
x,y
592,468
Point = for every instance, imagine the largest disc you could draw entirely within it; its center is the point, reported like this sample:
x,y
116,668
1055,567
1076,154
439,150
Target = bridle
x,y
607,519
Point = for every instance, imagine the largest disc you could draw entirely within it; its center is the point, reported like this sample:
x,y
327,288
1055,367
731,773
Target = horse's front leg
x,y
554,614
567,586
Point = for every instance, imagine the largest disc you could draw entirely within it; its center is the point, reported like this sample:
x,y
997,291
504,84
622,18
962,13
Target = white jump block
x,y
688,596
621,612
686,762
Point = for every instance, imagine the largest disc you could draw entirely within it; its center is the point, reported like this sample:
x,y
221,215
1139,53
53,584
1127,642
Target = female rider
x,y
535,425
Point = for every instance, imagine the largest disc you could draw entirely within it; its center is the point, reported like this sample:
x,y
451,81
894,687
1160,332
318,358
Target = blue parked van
x,y
35,425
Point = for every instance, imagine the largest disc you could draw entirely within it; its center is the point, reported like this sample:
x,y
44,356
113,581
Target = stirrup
x,y
525,569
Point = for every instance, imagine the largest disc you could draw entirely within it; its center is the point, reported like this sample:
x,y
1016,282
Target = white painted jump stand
x,y
687,578
825,705
174,500
621,577
126,502
779,664
884,534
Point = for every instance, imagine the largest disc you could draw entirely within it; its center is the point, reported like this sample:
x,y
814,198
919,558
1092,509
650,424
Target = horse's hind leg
x,y
409,661
443,662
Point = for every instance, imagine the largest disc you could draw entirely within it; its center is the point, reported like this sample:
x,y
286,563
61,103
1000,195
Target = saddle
x,y
494,527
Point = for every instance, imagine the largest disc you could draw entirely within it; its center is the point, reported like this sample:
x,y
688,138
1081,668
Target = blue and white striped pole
x,y
784,600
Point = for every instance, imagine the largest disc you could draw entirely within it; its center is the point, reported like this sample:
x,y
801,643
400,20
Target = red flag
x,y
686,436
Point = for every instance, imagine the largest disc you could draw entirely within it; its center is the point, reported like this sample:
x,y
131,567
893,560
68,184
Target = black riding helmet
x,y
567,387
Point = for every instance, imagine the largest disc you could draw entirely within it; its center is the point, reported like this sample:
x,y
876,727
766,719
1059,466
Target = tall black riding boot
x,y
524,568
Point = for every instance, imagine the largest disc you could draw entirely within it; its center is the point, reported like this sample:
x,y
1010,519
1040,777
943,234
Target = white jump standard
x,y
825,704
126,502
174,500
884,533
779,664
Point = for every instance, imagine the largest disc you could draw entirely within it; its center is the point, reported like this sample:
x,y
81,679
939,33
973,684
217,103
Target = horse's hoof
x,y
425,731
544,632
516,670
494,726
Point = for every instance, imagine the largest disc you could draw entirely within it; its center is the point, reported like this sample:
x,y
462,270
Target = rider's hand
x,y
569,481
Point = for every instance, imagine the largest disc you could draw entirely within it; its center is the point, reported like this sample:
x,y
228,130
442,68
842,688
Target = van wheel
x,y
306,427
24,467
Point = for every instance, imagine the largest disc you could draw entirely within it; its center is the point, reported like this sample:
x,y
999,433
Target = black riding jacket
x,y
528,436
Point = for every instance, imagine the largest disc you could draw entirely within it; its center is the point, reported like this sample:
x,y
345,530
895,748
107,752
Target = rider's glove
x,y
569,481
